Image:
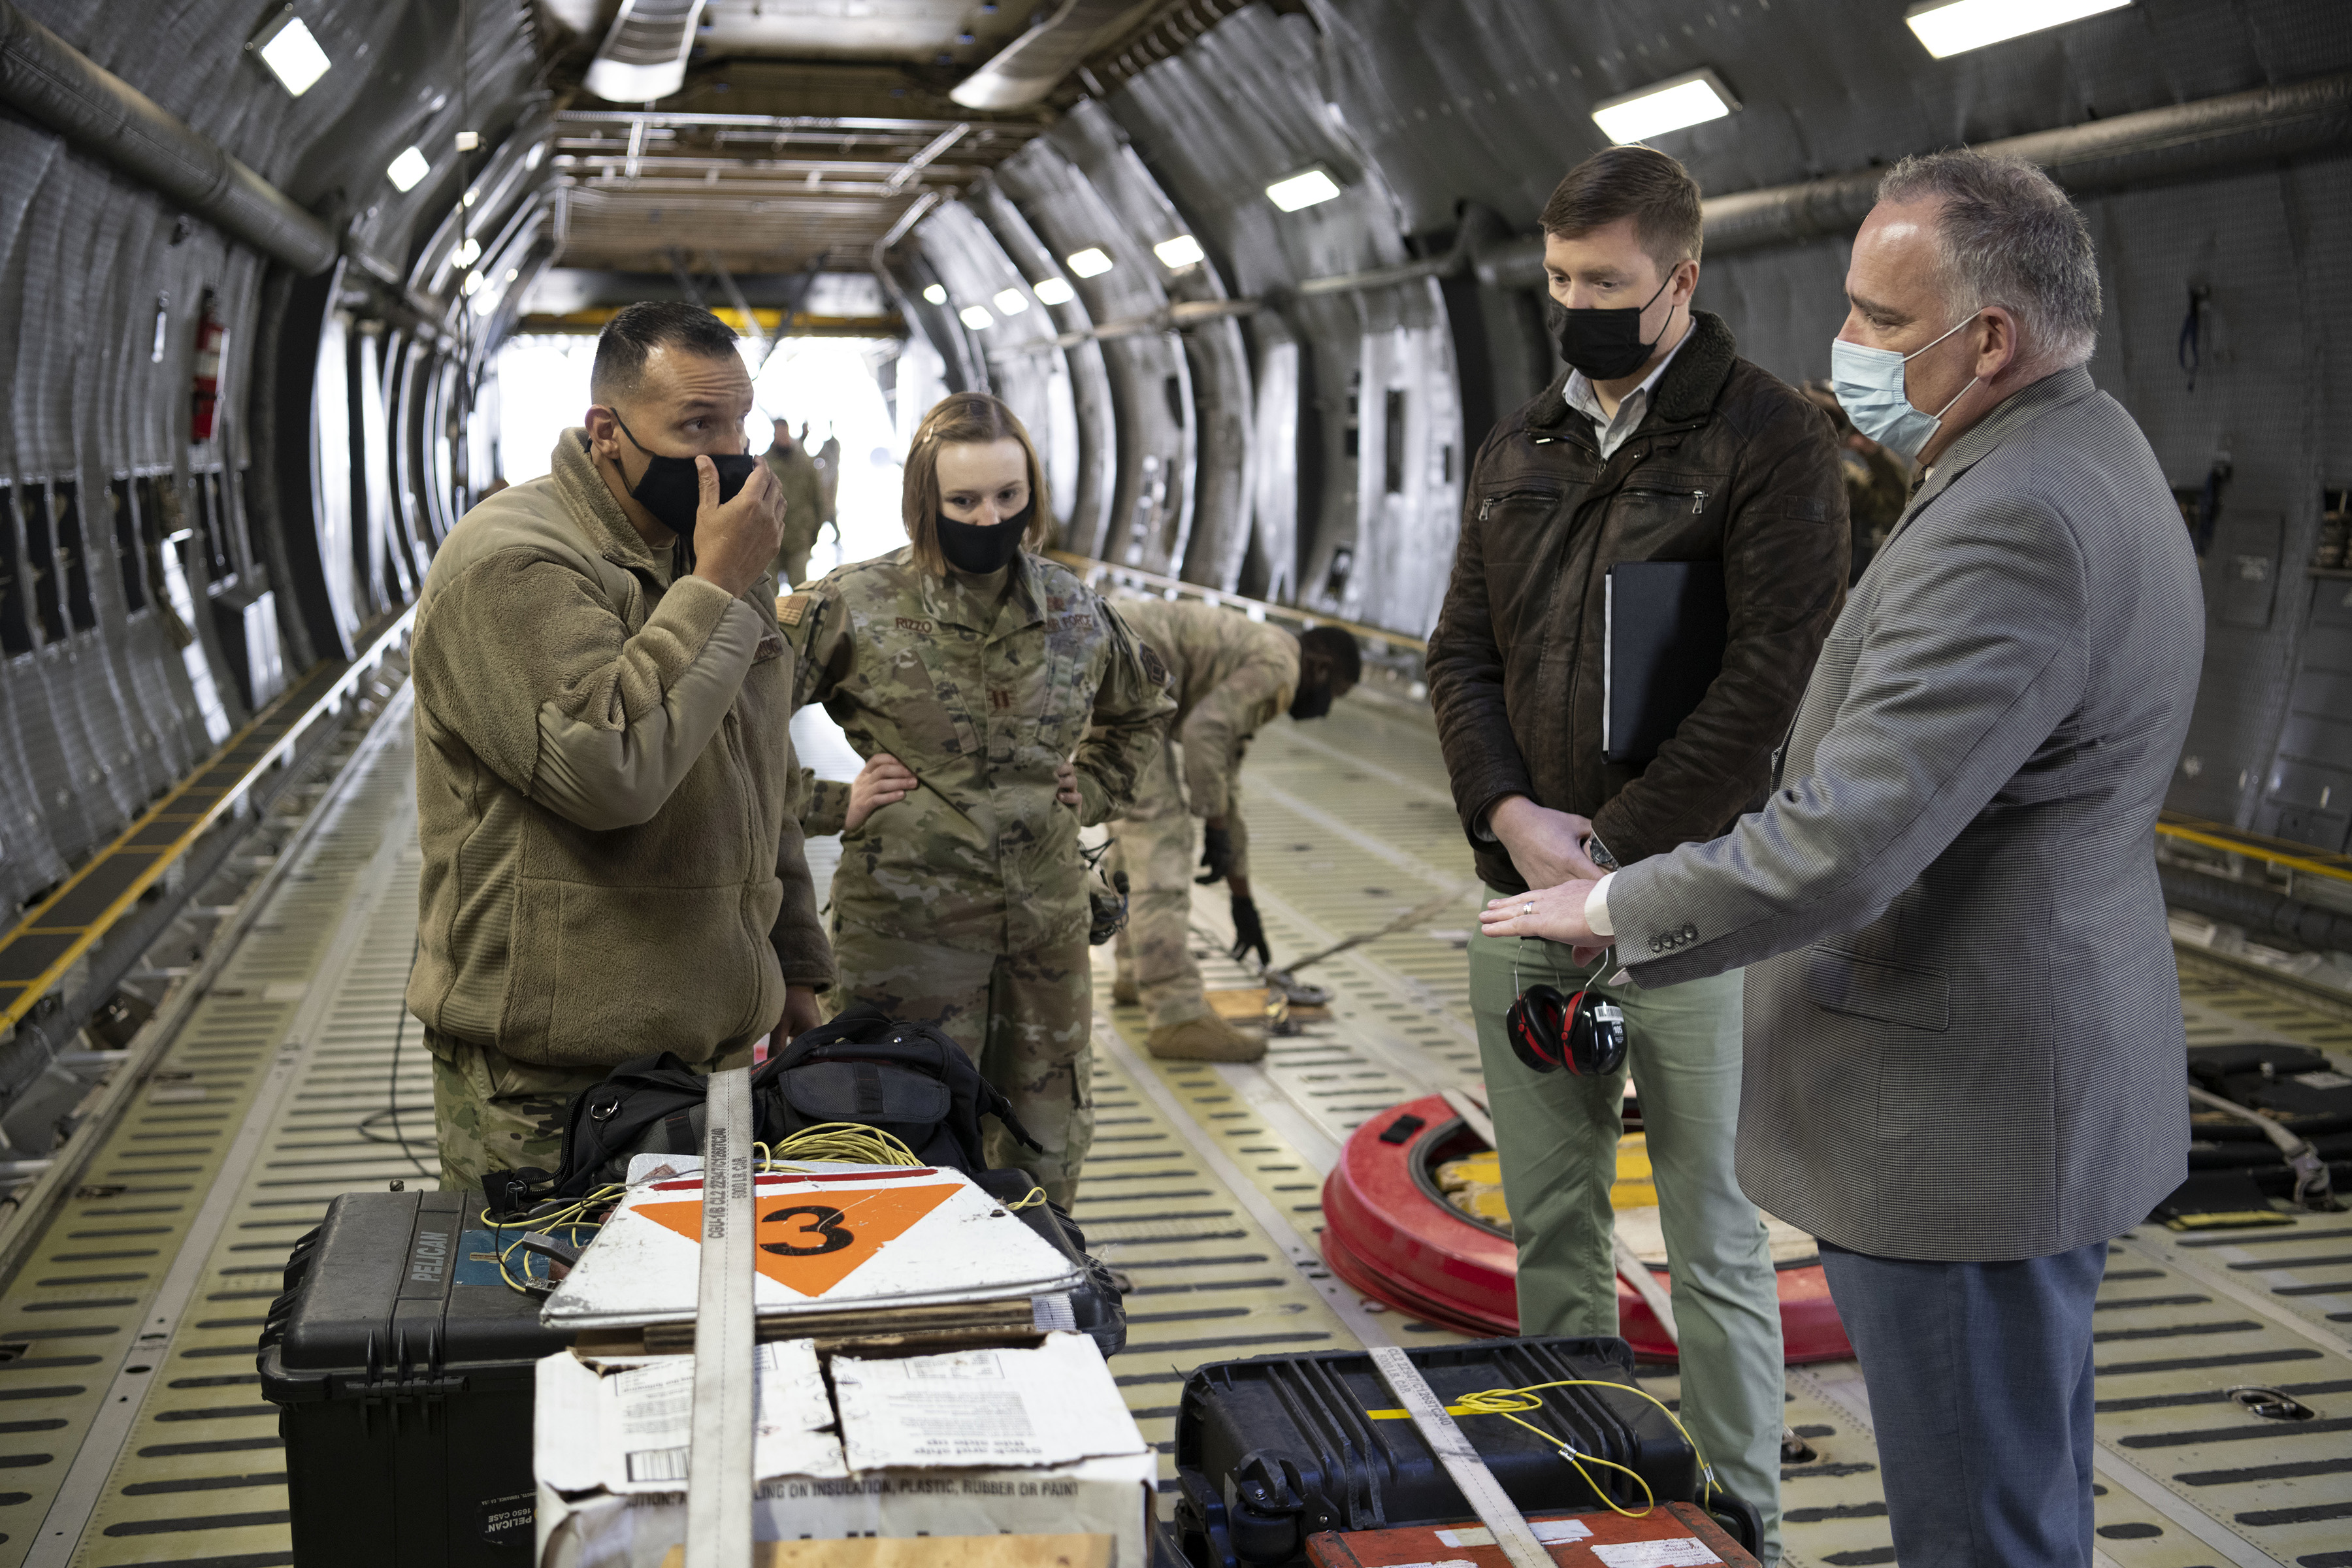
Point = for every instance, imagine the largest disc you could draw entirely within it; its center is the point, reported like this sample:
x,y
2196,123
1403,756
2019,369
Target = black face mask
x,y
1310,702
981,548
1606,345
671,487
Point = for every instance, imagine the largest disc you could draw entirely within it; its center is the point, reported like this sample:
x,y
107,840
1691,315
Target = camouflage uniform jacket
x,y
804,508
981,693
606,785
1230,675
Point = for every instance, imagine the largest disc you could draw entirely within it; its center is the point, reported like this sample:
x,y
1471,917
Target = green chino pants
x,y
1558,1137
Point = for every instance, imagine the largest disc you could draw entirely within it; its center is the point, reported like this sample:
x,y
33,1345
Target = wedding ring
x,y
1528,908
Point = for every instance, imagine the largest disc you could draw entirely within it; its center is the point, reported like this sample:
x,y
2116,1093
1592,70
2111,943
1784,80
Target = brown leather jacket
x,y
1730,463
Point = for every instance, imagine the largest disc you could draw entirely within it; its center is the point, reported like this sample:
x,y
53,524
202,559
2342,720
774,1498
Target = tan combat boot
x,y
1123,992
1208,1039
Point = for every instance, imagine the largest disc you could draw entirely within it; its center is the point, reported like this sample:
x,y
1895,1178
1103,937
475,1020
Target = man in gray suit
x,y
1964,1062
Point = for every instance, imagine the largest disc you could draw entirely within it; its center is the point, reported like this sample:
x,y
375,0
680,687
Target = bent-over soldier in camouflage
x,y
1230,675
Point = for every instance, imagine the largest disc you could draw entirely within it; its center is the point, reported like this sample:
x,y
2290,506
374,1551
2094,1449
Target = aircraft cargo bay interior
x,y
1175,782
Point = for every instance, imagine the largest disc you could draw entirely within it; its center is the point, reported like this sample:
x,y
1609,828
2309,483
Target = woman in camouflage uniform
x,y
1001,705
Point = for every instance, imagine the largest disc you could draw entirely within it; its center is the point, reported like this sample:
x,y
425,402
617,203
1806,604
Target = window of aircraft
x,y
1093,261
1952,27
1691,99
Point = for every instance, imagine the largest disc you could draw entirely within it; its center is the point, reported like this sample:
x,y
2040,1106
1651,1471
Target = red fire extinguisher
x,y
209,335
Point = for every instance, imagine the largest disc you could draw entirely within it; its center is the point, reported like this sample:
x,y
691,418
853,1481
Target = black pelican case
x,y
1277,1448
402,1368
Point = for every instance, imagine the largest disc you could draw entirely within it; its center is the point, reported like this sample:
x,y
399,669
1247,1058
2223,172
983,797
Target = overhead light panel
x,y
977,319
1009,302
1180,252
1053,291
1307,188
407,169
1691,99
289,51
937,294
1954,27
1091,262
468,253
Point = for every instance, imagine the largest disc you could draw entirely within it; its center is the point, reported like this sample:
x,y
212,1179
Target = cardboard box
x,y
990,1442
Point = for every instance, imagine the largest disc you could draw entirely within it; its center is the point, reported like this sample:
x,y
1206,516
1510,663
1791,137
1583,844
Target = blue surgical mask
x,y
1869,384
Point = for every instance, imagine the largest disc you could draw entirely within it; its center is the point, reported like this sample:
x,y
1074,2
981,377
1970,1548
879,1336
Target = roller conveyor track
x,y
131,1428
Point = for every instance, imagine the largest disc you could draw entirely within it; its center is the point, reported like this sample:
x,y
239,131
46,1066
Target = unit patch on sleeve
x,y
790,608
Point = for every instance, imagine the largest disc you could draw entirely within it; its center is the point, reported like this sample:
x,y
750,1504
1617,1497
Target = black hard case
x,y
404,1398
1272,1449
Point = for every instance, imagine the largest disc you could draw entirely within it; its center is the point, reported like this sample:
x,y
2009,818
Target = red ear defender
x,y
1584,1032
1535,1024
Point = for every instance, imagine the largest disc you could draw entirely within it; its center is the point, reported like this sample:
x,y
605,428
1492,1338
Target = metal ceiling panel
x,y
1150,382
1218,539
1032,380
1084,504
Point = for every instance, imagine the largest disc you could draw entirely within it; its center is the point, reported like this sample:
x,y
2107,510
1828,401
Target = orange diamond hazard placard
x,y
811,1242
828,1236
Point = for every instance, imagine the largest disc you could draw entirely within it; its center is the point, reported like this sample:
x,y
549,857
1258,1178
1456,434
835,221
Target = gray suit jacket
x,y
1963,1018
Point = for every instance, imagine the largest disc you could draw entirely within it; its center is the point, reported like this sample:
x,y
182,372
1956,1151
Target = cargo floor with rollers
x,y
133,1428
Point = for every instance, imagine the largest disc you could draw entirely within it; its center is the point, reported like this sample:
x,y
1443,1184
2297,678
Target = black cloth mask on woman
x,y
671,487
1605,345
980,548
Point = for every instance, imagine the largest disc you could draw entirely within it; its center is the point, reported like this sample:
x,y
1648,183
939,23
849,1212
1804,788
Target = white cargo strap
x,y
718,1493
1460,1457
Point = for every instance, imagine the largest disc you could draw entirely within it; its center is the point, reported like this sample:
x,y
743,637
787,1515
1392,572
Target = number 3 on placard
x,y
817,1221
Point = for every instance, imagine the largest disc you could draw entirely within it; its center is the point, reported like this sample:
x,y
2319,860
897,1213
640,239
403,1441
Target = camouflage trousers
x,y
1025,1018
492,1112
1156,844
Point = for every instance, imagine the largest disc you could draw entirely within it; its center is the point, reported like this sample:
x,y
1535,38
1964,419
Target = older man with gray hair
x,y
1963,1034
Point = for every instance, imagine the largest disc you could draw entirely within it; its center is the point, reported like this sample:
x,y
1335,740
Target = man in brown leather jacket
x,y
1658,443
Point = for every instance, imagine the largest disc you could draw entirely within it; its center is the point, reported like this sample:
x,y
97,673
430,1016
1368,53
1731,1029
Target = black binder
x,y
1663,633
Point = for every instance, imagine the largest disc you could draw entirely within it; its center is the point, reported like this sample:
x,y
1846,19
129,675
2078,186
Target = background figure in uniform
x,y
1230,675
1877,482
599,680
804,508
967,670
828,480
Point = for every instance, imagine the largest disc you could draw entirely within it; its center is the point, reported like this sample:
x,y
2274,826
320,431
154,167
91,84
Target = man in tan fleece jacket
x,y
604,773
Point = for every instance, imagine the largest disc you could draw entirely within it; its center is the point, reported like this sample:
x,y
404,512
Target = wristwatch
x,y
1598,852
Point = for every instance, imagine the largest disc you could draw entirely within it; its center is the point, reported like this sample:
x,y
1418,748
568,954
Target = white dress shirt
x,y
1614,430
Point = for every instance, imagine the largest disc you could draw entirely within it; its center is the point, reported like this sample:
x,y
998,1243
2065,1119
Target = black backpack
x,y
907,1080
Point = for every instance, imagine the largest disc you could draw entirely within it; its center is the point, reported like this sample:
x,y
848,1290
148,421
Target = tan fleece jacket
x,y
605,791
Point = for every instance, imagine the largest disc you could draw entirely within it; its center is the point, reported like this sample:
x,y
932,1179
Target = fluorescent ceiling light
x,y
1951,27
1054,291
1688,99
293,55
975,318
1009,302
1088,263
407,169
468,253
937,294
1180,252
1304,189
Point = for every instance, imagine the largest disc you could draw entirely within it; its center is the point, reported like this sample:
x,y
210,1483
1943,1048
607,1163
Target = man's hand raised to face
x,y
735,543
1547,845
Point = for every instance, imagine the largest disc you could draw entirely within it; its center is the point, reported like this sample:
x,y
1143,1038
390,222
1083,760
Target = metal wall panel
x,y
1082,504
1022,370
1150,383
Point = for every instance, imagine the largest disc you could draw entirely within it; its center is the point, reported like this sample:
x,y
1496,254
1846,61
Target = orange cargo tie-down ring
x,y
36,952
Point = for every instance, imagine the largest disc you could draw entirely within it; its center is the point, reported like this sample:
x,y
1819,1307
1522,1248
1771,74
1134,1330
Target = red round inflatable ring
x,y
1390,1232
